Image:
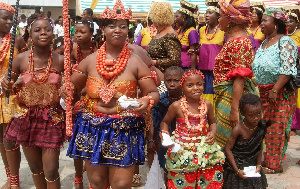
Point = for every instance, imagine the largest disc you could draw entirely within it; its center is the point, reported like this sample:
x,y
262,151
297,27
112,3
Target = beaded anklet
x,y
7,170
78,180
14,180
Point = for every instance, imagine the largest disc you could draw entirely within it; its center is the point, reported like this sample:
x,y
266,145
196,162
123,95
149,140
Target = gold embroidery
x,y
84,142
114,150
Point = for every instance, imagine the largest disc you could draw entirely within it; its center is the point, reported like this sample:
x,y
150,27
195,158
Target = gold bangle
x,y
274,91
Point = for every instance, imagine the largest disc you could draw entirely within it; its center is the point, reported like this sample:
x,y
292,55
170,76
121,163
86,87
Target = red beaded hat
x,y
7,7
112,14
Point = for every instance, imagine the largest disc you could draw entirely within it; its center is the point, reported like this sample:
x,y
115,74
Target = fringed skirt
x,y
108,140
37,127
281,114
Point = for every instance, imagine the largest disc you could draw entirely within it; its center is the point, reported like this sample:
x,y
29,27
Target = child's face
x,y
193,86
252,113
82,33
172,81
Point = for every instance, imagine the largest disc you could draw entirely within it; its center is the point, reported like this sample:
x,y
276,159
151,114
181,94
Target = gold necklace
x,y
293,31
251,129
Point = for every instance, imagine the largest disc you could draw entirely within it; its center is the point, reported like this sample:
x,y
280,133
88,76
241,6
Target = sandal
x,y
136,180
272,171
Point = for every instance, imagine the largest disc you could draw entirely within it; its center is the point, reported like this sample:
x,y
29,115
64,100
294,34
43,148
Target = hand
x,y
63,91
210,138
258,168
144,105
242,174
272,98
234,117
191,52
7,86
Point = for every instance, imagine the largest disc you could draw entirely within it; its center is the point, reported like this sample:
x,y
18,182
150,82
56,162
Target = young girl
x,y
198,161
38,123
82,48
244,146
8,110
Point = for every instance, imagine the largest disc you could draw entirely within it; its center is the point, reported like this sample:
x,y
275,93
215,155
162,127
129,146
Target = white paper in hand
x,y
175,148
128,103
62,104
167,141
250,171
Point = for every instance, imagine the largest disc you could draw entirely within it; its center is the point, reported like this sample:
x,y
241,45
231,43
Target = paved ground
x,y
289,179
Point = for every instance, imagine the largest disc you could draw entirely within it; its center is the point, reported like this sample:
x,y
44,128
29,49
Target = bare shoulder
x,y
208,102
58,61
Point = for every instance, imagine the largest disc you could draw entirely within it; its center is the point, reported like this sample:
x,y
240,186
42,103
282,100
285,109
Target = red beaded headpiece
x,y
112,14
7,7
191,72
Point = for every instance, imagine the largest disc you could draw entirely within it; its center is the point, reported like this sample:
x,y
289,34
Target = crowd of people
x,y
213,101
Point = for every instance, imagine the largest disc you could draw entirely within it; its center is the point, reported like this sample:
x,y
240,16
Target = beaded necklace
x,y
44,77
251,129
79,53
178,32
257,28
4,47
293,31
110,69
202,113
214,33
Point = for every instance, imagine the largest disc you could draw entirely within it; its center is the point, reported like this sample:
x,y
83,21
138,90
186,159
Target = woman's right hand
x,y
272,97
6,85
241,174
234,117
63,91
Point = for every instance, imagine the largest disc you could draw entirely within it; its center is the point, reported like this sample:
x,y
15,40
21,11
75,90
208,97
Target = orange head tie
x,y
113,14
7,7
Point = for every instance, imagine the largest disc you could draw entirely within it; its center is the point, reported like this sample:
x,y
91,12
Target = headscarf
x,y
237,11
277,13
7,7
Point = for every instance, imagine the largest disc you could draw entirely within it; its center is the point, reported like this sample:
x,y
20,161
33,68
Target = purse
x,y
294,82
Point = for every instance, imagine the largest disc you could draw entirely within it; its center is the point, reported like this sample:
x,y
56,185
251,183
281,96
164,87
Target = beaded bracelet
x,y
151,102
237,173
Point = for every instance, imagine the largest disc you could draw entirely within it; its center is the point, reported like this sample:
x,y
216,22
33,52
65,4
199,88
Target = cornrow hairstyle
x,y
250,99
88,23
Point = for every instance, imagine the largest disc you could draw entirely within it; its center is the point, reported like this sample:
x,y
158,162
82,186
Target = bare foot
x,y
6,185
79,186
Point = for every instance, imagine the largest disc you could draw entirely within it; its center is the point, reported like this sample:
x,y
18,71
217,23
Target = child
x,y
244,146
197,163
58,45
38,123
172,78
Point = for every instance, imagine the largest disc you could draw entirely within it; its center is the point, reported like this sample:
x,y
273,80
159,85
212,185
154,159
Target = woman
x,y
232,73
38,123
8,110
274,65
187,34
109,138
211,40
146,35
165,48
254,28
294,33
83,47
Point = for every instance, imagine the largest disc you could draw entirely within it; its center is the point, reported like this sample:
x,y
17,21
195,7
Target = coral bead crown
x,y
113,14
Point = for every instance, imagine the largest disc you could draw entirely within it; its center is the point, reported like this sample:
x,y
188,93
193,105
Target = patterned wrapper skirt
x,y
37,127
209,92
223,101
281,114
108,140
